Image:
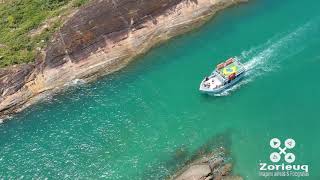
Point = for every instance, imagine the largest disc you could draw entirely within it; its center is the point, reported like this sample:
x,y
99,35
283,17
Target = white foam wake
x,y
268,56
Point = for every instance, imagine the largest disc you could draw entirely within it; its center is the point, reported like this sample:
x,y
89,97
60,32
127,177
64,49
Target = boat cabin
x,y
230,69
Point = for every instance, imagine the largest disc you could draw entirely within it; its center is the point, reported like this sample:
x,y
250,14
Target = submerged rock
x,y
213,166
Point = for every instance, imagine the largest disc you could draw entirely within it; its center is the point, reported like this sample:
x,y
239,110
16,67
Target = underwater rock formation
x,y
212,166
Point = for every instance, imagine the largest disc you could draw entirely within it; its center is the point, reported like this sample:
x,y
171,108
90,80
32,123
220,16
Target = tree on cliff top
x,y
20,17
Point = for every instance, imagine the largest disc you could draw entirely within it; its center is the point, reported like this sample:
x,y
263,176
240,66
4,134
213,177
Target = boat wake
x,y
268,56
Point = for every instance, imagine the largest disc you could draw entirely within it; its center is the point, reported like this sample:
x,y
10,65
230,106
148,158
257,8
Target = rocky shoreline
x,y
211,166
100,38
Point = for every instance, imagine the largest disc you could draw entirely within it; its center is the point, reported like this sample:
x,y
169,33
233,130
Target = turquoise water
x,y
143,121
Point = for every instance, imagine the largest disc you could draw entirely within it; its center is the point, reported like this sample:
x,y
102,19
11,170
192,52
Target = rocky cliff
x,y
100,38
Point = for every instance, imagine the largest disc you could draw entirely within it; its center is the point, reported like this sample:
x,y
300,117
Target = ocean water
x,y
147,119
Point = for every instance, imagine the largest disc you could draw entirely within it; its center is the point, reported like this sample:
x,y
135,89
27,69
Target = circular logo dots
x,y
275,143
289,158
290,143
275,157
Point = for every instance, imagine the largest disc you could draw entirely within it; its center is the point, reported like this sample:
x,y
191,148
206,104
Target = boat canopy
x,y
230,68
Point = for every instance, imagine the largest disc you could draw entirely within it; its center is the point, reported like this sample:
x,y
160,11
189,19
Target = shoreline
x,y
77,54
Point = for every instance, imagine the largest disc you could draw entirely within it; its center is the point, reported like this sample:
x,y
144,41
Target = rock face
x,y
213,166
101,38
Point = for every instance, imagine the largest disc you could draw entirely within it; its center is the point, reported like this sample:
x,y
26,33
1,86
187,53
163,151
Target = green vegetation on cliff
x,y
26,26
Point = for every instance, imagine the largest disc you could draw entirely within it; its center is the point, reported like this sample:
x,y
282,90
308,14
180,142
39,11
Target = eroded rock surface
x,y
213,166
100,38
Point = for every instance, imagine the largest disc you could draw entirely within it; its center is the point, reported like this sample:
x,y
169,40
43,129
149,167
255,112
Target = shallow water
x,y
142,121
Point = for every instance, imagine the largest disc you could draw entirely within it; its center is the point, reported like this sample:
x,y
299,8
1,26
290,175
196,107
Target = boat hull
x,y
219,90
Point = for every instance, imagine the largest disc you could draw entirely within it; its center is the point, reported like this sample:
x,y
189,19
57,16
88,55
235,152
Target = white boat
x,y
225,75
